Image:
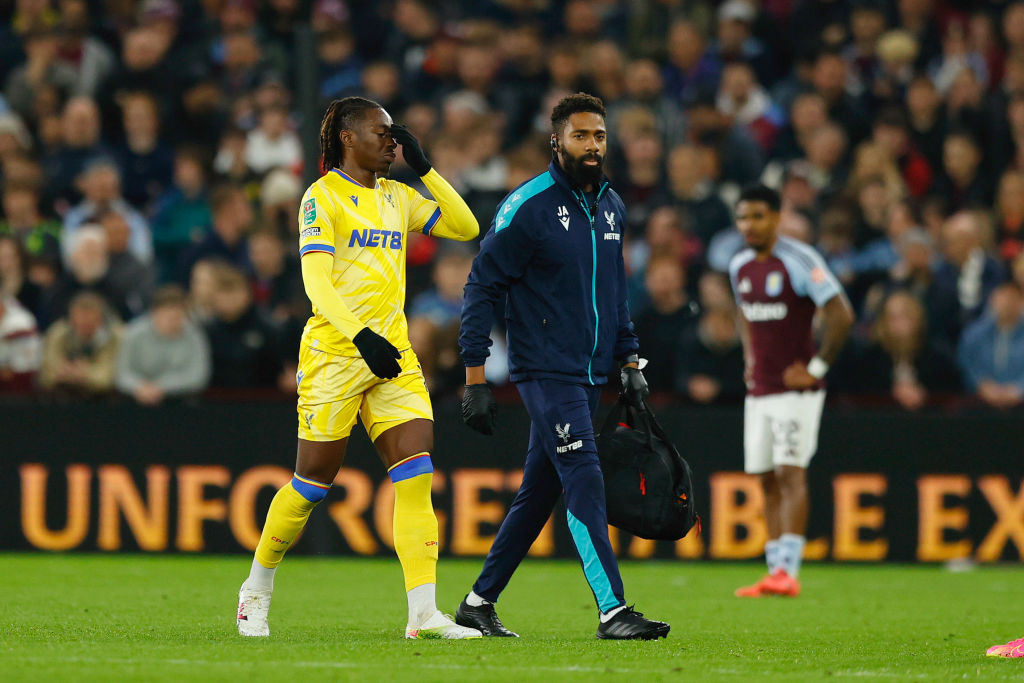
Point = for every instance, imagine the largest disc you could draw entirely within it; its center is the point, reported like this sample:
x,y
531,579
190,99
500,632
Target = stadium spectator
x,y
739,157
232,216
280,193
962,180
742,98
691,68
340,68
87,269
1010,216
14,275
807,113
966,268
229,163
182,213
277,283
245,346
640,185
890,132
143,67
826,149
163,354
991,352
80,351
714,291
861,267
1017,269
665,321
956,55
692,190
273,144
874,200
1006,141
101,187
38,235
279,21
132,279
643,83
916,18
382,80
15,139
146,162
736,43
242,67
79,144
43,68
434,317
902,360
817,21
20,346
416,23
88,58
709,368
926,119
666,234
829,80
607,68
914,272
867,24
202,288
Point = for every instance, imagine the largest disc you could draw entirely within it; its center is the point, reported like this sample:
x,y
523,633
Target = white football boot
x,y
253,607
442,627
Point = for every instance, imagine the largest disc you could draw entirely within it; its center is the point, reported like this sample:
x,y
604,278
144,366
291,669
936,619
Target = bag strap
x,y
614,417
653,427
637,418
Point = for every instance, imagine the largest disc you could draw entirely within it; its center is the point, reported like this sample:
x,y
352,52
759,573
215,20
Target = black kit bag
x,y
648,486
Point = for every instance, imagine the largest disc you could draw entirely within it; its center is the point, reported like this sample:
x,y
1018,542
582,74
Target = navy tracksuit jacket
x,y
557,253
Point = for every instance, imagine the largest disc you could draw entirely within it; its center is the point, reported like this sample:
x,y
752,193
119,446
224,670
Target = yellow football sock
x,y
287,515
415,525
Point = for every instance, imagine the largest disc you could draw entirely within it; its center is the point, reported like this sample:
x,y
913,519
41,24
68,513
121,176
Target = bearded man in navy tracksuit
x,y
555,248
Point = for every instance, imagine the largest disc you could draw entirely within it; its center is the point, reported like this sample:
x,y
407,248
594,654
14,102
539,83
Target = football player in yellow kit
x,y
355,358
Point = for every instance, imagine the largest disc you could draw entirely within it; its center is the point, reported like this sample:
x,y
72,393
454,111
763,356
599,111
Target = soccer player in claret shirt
x,y
779,285
355,358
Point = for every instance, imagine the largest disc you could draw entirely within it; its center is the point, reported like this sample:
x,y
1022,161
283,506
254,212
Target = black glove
x,y
479,408
411,150
379,353
634,386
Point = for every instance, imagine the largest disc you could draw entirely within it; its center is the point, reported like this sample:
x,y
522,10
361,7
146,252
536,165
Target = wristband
x,y
817,367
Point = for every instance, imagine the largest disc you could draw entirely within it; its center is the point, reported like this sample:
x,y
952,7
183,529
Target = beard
x,y
581,174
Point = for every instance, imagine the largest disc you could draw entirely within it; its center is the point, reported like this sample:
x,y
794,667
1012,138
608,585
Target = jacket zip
x,y
581,198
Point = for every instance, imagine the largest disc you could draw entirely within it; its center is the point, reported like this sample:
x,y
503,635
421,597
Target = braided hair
x,y
341,115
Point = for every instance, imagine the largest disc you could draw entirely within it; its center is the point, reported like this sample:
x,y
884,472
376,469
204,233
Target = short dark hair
x,y
169,295
88,300
761,193
223,195
341,115
575,104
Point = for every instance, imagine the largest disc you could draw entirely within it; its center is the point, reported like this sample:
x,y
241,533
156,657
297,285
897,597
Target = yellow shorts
x,y
333,390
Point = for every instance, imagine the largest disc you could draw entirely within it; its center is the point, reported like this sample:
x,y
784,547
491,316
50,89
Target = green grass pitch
x,y
170,618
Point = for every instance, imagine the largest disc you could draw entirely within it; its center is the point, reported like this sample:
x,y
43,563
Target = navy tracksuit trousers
x,y
562,456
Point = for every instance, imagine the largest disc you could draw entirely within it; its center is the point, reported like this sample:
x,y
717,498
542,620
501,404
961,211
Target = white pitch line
x,y
320,665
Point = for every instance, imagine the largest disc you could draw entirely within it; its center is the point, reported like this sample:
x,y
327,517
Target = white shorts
x,y
781,429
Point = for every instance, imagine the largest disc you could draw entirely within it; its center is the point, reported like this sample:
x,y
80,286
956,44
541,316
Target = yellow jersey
x,y
366,230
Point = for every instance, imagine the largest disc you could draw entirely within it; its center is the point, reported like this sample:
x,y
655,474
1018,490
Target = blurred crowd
x,y
151,168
